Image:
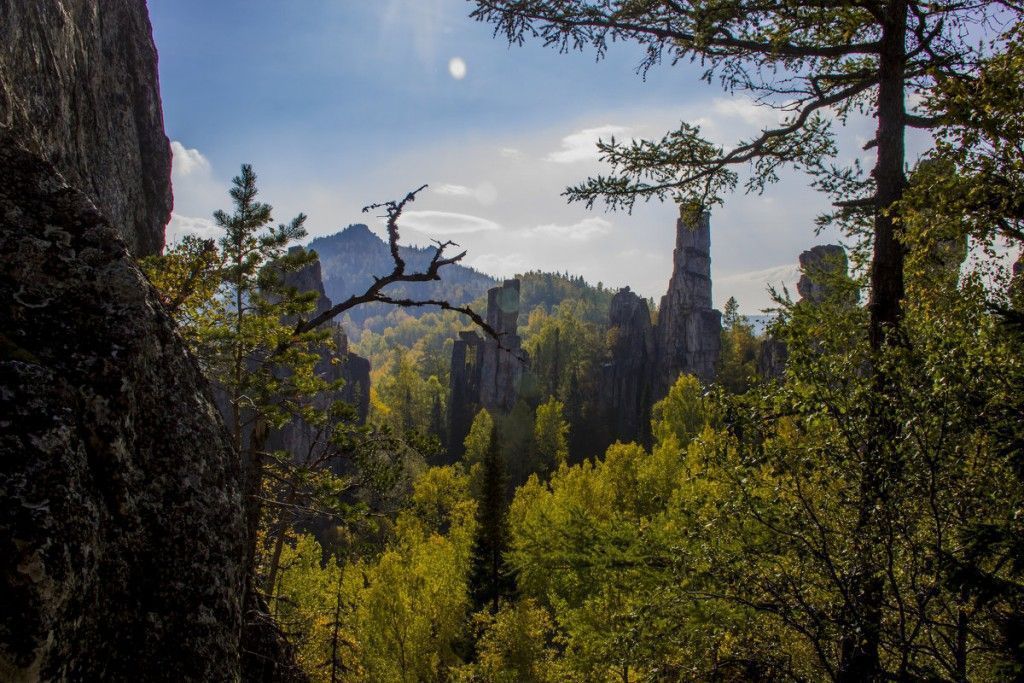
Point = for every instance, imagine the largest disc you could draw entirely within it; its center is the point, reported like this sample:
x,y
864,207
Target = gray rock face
x,y
121,528
644,360
822,269
626,378
689,331
485,373
78,86
771,358
500,366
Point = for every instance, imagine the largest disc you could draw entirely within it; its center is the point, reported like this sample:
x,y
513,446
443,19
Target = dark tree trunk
x,y
859,652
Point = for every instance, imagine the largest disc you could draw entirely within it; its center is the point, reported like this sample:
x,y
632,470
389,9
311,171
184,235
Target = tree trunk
x,y
859,652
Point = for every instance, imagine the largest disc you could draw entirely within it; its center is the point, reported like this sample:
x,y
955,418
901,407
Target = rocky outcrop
x,y
772,356
78,86
626,379
486,372
823,274
120,510
824,277
501,367
335,364
644,360
689,330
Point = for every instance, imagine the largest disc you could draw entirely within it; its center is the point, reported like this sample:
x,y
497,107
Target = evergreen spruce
x,y
491,579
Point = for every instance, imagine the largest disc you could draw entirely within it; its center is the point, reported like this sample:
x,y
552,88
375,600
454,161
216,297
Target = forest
x,y
454,478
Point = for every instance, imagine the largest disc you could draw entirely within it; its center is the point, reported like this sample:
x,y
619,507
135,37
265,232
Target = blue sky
x,y
340,103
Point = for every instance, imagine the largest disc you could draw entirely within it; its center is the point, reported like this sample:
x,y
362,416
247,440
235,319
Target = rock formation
x,y
824,276
486,372
689,330
121,516
626,378
823,269
644,360
120,508
334,365
78,87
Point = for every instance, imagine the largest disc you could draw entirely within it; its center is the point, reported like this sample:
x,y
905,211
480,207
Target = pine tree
x,y
491,579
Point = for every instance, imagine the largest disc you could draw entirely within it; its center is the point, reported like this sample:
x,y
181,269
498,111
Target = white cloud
x,y
581,231
485,192
185,161
500,265
445,223
582,145
191,225
751,288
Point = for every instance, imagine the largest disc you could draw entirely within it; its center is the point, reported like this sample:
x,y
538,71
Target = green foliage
x,y
737,364
478,441
550,436
514,646
682,414
490,579
395,617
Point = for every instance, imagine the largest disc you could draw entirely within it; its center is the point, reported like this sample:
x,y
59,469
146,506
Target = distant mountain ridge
x,y
351,258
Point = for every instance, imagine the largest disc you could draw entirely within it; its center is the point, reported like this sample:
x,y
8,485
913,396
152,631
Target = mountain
x,y
351,258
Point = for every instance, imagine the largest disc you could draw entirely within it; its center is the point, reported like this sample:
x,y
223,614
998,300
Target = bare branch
x,y
375,292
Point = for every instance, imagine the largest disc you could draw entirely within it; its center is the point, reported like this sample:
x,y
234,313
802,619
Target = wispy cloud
x,y
445,223
581,231
485,192
582,145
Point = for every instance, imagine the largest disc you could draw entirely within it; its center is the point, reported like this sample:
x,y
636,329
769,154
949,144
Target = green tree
x,y
737,364
514,646
550,436
490,579
682,414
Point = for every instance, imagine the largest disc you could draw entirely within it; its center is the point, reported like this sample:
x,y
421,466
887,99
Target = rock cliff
x,y
335,364
824,276
485,372
626,379
120,513
644,360
121,516
823,272
78,86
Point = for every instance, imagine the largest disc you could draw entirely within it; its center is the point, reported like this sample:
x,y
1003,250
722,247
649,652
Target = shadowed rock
x,y
823,274
485,372
120,510
626,377
78,86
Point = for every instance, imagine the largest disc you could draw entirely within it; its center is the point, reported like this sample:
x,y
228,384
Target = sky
x,y
341,103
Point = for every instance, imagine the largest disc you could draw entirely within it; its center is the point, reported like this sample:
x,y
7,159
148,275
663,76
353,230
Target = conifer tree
x,y
491,579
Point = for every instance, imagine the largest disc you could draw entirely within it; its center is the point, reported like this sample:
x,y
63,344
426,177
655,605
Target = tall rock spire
x,y
689,332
